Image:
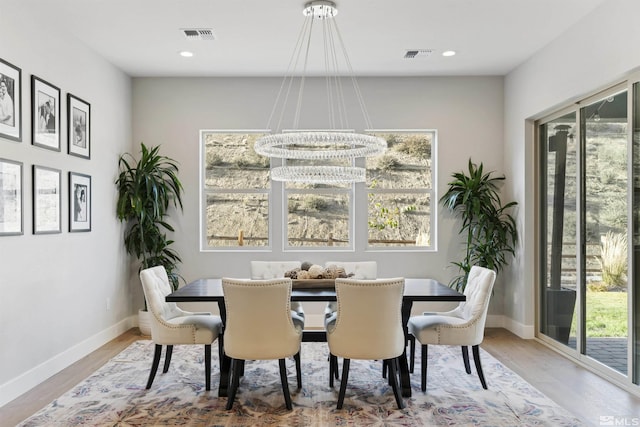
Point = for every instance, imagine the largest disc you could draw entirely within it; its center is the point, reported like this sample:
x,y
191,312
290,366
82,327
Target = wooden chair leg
x,y
384,369
220,348
333,369
476,358
393,379
285,384
207,366
423,367
343,383
167,359
154,366
465,358
412,353
234,372
296,357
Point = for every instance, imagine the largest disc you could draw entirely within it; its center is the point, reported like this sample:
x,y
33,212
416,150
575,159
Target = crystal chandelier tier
x,y
325,145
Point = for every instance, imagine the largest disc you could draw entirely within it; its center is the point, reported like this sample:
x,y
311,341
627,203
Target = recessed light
x,y
186,54
448,53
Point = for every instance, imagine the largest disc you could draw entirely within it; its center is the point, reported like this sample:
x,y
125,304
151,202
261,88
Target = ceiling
x,y
257,37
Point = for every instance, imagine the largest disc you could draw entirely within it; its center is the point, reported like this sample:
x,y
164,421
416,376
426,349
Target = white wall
x,y
467,113
54,288
594,54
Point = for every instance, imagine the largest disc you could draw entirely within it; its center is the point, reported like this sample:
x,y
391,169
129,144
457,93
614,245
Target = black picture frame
x,y
45,114
10,99
78,127
79,202
47,200
11,198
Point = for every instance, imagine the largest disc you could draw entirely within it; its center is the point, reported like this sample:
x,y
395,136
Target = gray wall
x,y
54,288
171,111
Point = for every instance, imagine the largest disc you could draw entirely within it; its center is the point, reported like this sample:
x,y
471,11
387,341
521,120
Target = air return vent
x,y
198,33
417,53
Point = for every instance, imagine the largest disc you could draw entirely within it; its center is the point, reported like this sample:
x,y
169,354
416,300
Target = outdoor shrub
x,y
597,287
613,259
213,160
313,203
416,146
387,162
292,206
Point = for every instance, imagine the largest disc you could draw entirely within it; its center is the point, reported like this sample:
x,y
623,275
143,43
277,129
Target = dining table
x,y
415,290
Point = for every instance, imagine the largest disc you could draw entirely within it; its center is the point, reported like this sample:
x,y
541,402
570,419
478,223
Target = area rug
x,y
115,395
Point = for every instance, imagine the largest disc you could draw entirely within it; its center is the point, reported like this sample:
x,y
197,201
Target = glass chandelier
x,y
327,145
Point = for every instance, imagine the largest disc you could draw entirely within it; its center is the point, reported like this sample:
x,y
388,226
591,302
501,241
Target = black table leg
x,y
405,380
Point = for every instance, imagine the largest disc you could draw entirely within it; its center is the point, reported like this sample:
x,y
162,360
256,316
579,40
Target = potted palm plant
x,y
147,188
490,230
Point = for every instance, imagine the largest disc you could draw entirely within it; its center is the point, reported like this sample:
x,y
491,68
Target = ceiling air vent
x,y
417,53
198,33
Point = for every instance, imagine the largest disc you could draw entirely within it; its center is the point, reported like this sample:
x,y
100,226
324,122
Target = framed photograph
x,y
79,202
10,198
46,200
79,126
10,101
45,114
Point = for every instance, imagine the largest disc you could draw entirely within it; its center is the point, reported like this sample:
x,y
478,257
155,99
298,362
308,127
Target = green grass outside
x,y
606,315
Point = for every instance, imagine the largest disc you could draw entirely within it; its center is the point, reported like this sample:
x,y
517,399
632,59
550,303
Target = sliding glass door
x,y
589,231
635,276
604,147
558,225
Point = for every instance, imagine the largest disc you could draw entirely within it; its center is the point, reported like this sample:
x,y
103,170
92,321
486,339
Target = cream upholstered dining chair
x,y
261,270
362,270
368,326
463,326
259,326
171,325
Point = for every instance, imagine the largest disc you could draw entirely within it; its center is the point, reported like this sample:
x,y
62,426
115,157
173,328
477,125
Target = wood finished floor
x,y
583,393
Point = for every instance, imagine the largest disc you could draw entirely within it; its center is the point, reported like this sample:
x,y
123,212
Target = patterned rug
x,y
115,395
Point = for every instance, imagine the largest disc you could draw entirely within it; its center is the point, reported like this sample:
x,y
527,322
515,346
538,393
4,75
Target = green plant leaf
x,y
490,229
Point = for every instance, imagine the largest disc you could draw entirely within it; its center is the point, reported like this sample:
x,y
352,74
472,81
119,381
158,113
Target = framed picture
x,y
10,197
46,200
79,202
10,101
79,127
45,114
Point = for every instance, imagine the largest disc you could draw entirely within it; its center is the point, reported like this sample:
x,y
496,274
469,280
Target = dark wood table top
x,y
414,290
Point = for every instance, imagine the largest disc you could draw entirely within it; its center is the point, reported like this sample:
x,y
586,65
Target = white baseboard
x,y
31,378
521,330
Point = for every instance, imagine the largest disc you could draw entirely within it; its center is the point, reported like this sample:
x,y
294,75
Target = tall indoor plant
x,y
147,188
490,230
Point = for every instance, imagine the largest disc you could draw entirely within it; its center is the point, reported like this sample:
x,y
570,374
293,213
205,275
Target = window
x,y
400,191
318,215
238,198
236,190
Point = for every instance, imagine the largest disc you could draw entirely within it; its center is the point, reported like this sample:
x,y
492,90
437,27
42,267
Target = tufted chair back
x,y
365,270
478,292
272,269
259,324
369,321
